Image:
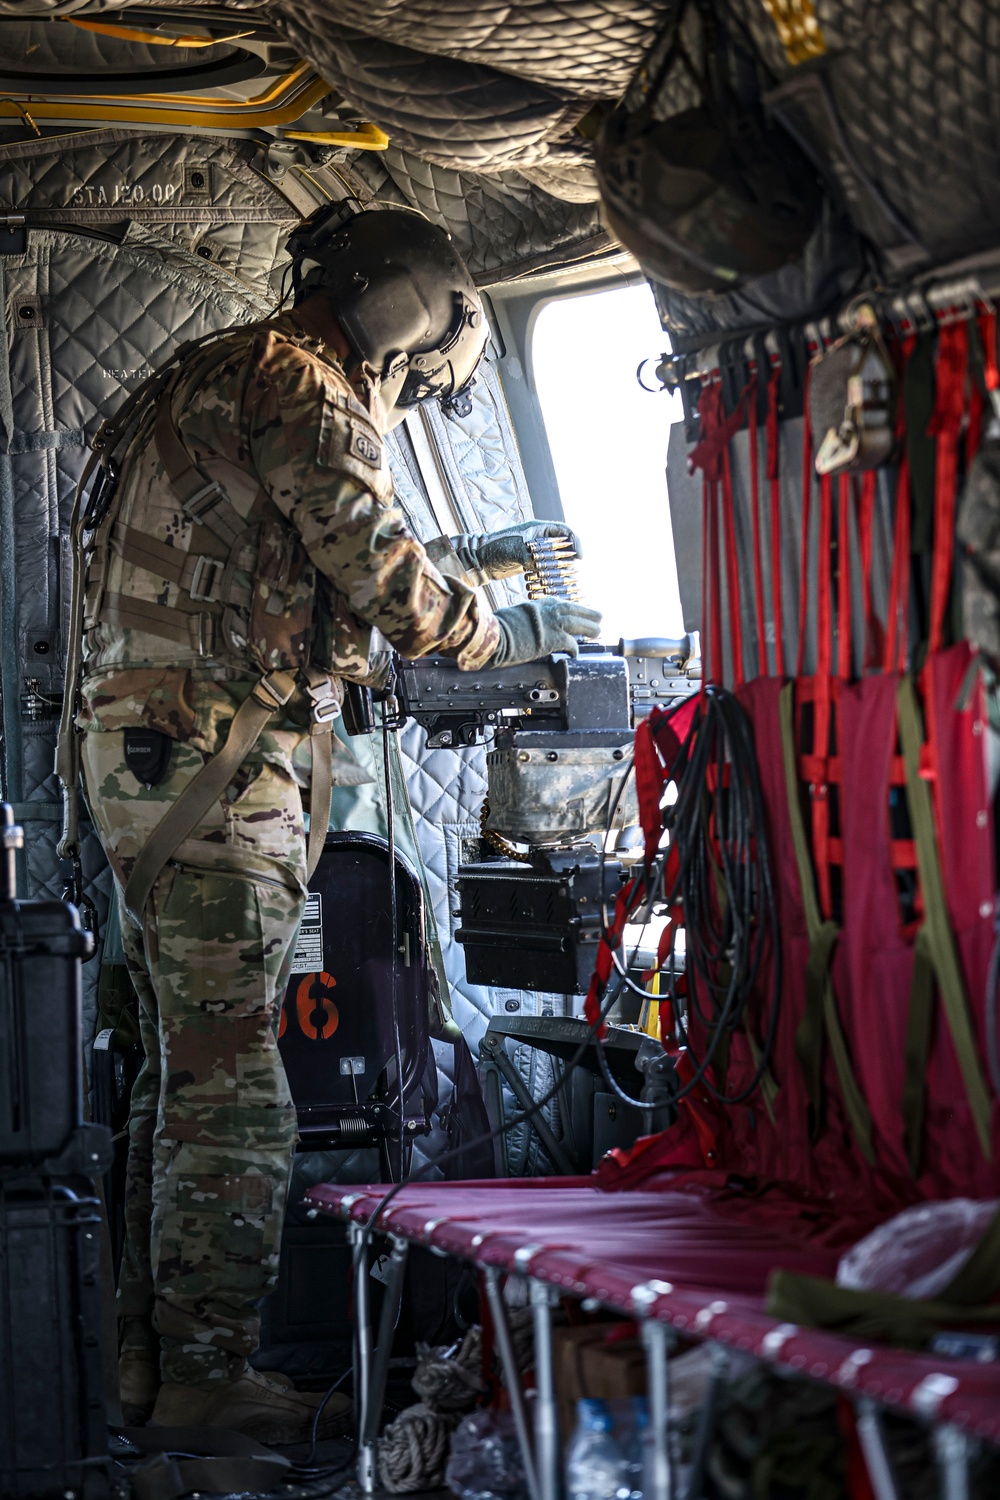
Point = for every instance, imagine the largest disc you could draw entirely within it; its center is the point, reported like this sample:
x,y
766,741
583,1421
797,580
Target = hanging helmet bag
x,y
715,194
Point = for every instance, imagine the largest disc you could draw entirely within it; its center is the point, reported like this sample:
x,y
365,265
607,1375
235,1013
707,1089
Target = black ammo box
x,y
53,1438
41,945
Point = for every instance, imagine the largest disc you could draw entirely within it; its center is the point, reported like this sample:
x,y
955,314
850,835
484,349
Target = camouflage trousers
x,y
213,1126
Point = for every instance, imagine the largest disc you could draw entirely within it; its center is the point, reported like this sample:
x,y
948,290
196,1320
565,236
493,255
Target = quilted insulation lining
x,y
503,223
584,48
104,315
197,193
457,114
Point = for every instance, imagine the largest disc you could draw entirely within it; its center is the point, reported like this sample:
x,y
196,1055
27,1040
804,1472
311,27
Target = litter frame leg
x,y
393,1296
367,1455
876,1454
951,1447
706,1422
512,1378
657,1340
546,1428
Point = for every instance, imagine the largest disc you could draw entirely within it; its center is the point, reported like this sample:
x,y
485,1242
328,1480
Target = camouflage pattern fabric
x,y
330,563
322,573
213,1125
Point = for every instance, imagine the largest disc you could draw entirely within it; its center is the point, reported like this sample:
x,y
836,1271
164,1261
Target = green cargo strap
x,y
820,1014
809,1037
936,958
909,1321
266,697
116,1007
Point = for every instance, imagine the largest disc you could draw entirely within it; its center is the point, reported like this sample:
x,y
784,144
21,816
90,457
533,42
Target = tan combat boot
x,y
262,1406
138,1370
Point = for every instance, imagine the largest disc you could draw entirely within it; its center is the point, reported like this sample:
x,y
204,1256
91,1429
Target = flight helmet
x,y
402,295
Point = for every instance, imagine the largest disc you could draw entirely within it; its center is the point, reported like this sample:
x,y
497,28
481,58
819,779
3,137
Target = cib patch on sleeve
x,y
366,446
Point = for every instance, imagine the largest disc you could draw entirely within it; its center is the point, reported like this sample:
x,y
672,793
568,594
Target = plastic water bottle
x,y
595,1467
635,1448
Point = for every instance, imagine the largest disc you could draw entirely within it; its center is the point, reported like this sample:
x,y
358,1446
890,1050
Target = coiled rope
x,y
413,1450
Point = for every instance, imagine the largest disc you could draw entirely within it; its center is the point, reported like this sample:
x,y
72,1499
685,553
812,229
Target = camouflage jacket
x,y
325,571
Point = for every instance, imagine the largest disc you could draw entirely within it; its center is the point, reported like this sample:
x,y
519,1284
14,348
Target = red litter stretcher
x,y
678,1263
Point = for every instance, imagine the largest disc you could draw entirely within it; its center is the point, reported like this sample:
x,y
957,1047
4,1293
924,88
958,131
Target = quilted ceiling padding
x,y
457,114
483,140
587,49
502,222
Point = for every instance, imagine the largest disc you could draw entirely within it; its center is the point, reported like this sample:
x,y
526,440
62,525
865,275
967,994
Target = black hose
x,y
725,888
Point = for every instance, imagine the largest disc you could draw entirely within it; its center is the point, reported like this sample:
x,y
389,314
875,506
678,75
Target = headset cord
x,y
390,828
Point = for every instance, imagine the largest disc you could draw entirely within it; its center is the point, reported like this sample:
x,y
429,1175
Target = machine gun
x,y
601,688
558,776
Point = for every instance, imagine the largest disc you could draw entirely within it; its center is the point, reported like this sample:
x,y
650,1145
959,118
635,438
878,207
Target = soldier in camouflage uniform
x,y
251,555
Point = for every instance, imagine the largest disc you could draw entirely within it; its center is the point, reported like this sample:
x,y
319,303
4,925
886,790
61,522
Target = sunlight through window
x,y
609,445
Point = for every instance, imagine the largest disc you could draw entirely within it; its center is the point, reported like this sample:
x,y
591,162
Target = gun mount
x,y
560,742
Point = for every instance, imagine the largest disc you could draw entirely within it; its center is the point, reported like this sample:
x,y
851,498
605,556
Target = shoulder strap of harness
x,y
114,434
204,501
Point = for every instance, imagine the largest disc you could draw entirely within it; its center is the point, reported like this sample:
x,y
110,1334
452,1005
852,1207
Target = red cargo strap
x,y
898,613
774,479
845,490
946,423
758,558
874,638
711,455
807,489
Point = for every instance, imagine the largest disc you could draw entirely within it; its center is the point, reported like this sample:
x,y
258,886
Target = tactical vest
x,y
245,597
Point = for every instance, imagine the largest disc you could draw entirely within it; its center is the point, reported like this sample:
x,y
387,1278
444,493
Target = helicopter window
x,y
608,439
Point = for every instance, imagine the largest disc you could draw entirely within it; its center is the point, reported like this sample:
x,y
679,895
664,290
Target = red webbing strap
x,y
704,456
988,333
774,480
714,583
898,615
844,653
758,557
711,455
733,595
874,640
946,426
807,489
819,786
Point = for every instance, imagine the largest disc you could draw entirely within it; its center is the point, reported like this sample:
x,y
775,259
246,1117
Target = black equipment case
x,y
41,945
53,1437
52,1415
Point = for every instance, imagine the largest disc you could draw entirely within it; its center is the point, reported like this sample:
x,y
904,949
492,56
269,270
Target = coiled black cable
x,y
724,885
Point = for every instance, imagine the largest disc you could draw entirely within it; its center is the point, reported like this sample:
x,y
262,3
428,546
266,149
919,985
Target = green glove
x,y
530,631
504,553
